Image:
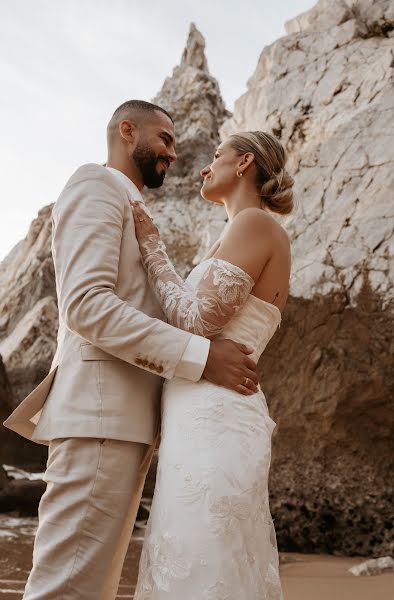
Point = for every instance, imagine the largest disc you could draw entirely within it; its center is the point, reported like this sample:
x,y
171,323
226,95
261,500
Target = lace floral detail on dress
x,y
162,561
219,591
210,535
250,504
223,289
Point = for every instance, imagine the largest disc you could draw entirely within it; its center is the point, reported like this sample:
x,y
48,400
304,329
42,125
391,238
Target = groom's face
x,y
155,150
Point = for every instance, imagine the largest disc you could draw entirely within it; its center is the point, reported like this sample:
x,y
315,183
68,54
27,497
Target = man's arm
x,y
87,234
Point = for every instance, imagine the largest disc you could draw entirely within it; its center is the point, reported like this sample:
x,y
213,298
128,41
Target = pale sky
x,y
65,65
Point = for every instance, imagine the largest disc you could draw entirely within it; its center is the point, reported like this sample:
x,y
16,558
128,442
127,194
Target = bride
x,y
210,534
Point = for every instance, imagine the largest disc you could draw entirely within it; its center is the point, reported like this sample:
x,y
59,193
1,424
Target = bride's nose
x,y
204,172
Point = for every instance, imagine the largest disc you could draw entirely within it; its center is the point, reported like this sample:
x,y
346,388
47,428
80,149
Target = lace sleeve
x,y
205,310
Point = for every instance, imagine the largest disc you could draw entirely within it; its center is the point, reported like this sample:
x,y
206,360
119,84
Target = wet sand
x,y
304,576
322,577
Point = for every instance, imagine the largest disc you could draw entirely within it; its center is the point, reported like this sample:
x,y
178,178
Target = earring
x,y
239,174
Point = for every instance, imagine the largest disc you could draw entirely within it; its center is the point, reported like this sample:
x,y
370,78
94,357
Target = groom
x,y
98,408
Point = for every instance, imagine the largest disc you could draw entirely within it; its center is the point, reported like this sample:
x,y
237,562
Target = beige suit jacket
x,y
113,347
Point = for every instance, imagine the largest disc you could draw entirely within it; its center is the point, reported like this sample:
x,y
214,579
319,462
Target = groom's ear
x,y
128,131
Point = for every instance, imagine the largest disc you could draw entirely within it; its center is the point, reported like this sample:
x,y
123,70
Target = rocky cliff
x,y
326,90
28,311
28,328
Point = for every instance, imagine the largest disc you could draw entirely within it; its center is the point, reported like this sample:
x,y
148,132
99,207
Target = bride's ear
x,y
247,159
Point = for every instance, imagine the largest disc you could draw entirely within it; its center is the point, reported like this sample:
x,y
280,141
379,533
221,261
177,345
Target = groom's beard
x,y
146,161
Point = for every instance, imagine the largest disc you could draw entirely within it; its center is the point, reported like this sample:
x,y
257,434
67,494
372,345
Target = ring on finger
x,y
246,383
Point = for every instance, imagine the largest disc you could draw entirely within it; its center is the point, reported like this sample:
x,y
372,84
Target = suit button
x,y
138,361
144,363
152,367
160,369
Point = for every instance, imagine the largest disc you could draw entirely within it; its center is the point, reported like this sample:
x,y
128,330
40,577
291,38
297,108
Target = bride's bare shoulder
x,y
250,241
257,220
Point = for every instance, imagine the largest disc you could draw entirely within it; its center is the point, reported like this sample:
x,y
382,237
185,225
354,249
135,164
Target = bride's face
x,y
221,175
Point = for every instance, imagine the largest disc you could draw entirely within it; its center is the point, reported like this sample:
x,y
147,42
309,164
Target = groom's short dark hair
x,y
129,109
141,105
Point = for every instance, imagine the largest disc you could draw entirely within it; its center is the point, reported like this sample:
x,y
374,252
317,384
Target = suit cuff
x,y
194,358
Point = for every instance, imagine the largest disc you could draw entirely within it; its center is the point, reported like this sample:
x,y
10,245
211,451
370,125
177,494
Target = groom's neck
x,y
122,164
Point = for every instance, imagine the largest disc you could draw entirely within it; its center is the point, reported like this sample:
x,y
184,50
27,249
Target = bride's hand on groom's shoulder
x,y
144,226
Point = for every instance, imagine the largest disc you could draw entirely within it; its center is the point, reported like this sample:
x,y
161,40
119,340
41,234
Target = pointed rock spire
x,y
194,52
192,95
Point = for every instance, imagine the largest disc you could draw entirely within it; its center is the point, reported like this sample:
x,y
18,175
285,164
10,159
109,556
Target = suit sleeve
x,y
87,235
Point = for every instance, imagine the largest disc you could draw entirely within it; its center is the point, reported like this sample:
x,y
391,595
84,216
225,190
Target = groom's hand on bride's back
x,y
229,365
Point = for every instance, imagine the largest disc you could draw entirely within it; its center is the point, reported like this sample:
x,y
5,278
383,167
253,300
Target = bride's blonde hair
x,y
274,184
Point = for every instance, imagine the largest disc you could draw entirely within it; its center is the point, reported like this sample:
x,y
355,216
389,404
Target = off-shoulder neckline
x,y
236,267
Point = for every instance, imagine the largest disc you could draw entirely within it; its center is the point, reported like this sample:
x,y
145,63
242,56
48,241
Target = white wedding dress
x,y
210,534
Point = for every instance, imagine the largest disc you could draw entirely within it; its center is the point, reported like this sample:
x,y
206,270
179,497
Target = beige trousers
x,y
86,518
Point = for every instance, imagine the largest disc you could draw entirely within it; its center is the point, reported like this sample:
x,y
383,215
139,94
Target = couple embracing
x,y
127,320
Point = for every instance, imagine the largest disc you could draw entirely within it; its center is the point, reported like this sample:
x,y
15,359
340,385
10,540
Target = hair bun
x,y
273,183
277,193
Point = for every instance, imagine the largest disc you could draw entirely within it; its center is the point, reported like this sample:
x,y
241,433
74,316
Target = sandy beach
x,y
322,577
304,576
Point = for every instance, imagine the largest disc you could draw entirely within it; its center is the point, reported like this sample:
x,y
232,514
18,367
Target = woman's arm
x,y
223,289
